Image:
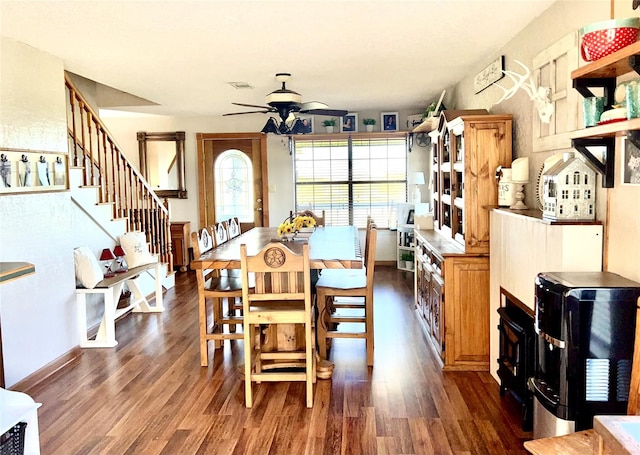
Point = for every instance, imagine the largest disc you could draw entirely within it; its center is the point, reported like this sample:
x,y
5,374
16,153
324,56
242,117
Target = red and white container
x,y
600,39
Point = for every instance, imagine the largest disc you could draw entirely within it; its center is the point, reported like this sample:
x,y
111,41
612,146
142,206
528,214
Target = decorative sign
x,y
489,75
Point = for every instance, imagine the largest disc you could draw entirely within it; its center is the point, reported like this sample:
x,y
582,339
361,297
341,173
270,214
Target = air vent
x,y
241,85
597,379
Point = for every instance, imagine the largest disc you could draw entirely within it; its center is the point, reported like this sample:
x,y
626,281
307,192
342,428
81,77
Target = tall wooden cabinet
x,y
470,148
452,261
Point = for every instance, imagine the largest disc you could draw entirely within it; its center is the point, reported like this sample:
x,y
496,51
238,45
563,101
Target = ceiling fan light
x,y
271,126
284,96
284,129
298,127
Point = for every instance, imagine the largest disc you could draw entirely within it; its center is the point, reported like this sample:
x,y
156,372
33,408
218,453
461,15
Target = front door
x,y
232,178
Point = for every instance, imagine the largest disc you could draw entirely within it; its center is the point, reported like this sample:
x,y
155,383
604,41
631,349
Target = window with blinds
x,y
351,178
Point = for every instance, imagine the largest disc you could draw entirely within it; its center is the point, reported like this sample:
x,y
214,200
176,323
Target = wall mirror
x,y
162,162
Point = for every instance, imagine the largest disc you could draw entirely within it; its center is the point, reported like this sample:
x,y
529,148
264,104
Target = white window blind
x,y
351,178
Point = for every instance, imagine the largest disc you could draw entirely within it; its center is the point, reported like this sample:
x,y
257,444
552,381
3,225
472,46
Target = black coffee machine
x,y
585,330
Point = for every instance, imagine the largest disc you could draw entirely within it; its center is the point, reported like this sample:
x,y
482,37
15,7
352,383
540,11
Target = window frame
x,y
350,138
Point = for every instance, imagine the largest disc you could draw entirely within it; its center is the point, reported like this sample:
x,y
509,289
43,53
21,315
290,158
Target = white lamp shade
x,y
418,178
520,170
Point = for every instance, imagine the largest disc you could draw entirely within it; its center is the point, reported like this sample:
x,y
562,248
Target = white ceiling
x,y
356,55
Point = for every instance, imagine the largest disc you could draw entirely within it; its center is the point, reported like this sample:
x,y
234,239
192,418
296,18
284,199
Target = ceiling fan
x,y
286,103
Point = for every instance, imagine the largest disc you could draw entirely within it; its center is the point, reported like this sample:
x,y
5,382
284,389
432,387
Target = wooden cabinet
x,y
469,150
452,298
180,235
452,260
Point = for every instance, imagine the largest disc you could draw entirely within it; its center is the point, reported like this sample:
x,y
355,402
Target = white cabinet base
x,y
16,407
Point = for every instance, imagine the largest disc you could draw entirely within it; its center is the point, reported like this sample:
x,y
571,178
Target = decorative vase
x,y
369,128
329,128
288,237
305,232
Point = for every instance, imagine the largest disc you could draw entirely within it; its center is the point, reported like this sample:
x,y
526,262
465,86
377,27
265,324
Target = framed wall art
x,y
29,171
307,124
389,121
630,163
349,123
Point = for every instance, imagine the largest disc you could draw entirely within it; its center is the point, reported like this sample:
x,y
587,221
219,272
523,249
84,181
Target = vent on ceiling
x,y
241,85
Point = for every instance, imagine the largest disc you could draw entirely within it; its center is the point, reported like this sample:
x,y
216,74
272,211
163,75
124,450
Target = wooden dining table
x,y
330,247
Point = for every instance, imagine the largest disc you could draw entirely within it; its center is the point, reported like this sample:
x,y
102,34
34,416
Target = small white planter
x,y
368,128
329,129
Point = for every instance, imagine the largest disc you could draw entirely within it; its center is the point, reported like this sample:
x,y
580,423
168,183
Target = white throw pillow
x,y
88,270
137,249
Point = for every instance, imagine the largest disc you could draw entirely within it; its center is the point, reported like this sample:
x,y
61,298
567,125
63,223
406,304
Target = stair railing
x,y
92,148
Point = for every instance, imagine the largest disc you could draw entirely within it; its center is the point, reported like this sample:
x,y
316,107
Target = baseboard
x,y
34,379
385,263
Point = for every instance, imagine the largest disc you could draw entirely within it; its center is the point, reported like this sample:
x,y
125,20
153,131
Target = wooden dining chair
x,y
320,221
217,288
282,295
356,284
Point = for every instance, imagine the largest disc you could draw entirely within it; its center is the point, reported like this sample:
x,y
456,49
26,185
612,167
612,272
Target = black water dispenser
x,y
585,329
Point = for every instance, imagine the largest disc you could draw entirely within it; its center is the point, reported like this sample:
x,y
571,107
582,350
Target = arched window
x,y
234,186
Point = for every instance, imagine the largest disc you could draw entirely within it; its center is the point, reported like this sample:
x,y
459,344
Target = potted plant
x,y
368,123
329,124
407,258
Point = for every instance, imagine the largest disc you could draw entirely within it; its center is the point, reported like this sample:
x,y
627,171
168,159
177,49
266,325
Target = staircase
x,y
105,185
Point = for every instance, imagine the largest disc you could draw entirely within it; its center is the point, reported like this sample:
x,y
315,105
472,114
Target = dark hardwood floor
x,y
149,395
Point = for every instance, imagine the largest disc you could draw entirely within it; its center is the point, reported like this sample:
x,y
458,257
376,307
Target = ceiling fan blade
x,y
330,112
254,105
312,105
248,112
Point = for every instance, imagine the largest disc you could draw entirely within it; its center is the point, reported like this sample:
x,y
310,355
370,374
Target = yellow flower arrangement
x,y
292,226
285,228
303,222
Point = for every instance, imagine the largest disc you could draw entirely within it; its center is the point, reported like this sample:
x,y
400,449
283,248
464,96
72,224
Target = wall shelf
x,y
603,73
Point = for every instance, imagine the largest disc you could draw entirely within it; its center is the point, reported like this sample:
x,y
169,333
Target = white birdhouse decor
x,y
569,191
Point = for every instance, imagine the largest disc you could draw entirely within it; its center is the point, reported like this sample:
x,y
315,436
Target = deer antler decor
x,y
539,95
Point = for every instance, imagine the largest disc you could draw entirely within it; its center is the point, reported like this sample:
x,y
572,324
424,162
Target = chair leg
x,y
248,349
321,323
309,363
202,315
217,316
368,305
231,302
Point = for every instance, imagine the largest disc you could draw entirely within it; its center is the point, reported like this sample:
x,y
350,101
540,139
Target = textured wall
x,y
38,312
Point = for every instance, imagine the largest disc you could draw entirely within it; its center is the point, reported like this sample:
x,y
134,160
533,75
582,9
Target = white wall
x,y
38,312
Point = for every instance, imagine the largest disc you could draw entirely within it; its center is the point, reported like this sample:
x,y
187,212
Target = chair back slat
x,y
370,253
233,227
220,232
280,274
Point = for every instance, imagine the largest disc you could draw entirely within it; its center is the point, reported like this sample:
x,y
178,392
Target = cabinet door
x,y
426,294
437,312
467,313
487,146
